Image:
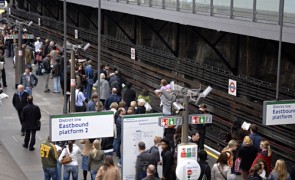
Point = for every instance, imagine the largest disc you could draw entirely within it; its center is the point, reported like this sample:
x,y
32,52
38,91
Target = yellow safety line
x,y
211,154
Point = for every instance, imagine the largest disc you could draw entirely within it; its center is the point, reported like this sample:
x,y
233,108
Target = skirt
x,y
84,162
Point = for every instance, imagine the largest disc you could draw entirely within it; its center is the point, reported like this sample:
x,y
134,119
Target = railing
x,y
265,11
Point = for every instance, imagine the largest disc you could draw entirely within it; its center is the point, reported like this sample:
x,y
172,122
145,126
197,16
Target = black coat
x,y
247,155
20,103
140,110
205,169
31,115
129,95
168,165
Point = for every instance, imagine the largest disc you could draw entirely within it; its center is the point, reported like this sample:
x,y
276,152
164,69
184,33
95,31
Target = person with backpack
x,y
205,167
28,80
116,82
144,159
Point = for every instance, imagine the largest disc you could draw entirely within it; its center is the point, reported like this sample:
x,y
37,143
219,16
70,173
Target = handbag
x,y
237,164
66,159
38,125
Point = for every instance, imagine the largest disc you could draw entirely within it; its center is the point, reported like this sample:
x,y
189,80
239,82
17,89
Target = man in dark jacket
x,y
56,73
19,101
205,167
47,67
168,161
129,94
31,115
143,160
112,98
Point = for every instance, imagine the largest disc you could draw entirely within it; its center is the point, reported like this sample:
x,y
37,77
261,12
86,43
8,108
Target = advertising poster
x,y
137,128
81,126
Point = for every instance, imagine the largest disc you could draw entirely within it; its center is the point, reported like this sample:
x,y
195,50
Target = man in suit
x,y
19,101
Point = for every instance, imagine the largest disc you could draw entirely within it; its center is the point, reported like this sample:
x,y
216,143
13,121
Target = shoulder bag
x,y
221,172
67,158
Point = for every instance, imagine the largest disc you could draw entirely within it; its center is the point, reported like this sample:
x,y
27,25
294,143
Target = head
x,y
232,144
222,159
114,105
122,104
108,162
203,107
141,146
20,88
164,82
114,91
264,144
140,102
195,136
237,124
254,128
281,169
51,43
70,144
94,97
151,170
30,99
97,144
133,104
165,144
27,70
202,155
130,110
121,111
247,141
157,140
102,76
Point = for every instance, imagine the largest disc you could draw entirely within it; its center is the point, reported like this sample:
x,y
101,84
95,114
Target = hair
x,y
164,82
94,95
265,145
193,133
202,155
237,124
247,140
141,145
144,92
71,142
101,106
166,141
222,159
130,110
30,99
96,147
120,110
254,169
232,143
281,169
133,104
114,105
122,104
108,162
254,128
259,161
157,139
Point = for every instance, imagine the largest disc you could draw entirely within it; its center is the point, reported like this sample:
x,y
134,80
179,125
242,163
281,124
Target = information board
x,y
137,128
81,126
188,169
187,151
279,112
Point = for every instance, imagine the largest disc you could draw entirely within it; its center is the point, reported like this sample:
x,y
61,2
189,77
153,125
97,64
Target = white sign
x,y
133,53
39,21
20,52
279,112
188,169
76,33
137,128
232,87
189,151
82,126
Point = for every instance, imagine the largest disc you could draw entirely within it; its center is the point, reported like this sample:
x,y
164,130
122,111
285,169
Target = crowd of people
x,y
246,153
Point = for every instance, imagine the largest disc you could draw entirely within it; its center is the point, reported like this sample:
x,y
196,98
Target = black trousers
x,y
19,112
4,78
30,134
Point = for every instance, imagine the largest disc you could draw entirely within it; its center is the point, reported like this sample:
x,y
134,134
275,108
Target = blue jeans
x,y
56,84
50,173
46,79
93,174
71,169
117,144
59,167
89,88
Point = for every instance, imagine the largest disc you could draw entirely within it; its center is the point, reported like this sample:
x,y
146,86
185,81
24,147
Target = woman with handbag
x,y
68,158
220,170
96,157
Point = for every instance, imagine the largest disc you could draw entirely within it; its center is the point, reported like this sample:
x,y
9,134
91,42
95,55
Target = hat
x,y
247,140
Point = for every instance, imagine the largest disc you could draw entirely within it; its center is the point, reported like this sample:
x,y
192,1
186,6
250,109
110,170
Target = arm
x,y
63,153
89,161
170,97
38,113
137,164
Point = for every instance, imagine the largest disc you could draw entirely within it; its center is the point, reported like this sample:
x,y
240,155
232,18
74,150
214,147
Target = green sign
x,y
200,118
170,121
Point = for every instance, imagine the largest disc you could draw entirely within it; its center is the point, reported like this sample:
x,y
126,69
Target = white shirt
x,y
79,97
37,45
74,154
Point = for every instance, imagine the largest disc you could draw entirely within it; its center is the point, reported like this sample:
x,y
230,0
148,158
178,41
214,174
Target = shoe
x,y
32,149
47,91
24,146
23,133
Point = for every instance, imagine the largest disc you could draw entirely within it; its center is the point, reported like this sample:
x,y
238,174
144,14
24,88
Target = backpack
x,y
115,83
40,70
